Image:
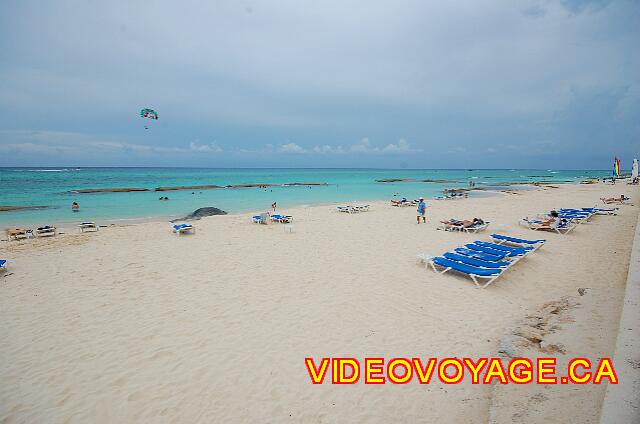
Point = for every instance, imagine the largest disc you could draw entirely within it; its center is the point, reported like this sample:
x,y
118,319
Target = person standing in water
x,y
422,209
273,206
75,207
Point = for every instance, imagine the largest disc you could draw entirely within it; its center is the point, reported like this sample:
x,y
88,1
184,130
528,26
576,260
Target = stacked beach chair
x,y
484,261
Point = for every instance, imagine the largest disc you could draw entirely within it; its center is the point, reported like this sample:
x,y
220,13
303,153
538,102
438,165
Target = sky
x,y
300,83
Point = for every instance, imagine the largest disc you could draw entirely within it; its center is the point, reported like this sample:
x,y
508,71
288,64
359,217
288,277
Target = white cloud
x,y
196,146
291,148
364,146
327,149
400,147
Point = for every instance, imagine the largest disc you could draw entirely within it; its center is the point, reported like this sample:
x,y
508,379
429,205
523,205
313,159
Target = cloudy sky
x,y
300,83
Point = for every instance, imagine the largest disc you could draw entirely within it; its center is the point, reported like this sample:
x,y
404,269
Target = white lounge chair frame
x,y
47,232
86,226
476,229
562,230
474,277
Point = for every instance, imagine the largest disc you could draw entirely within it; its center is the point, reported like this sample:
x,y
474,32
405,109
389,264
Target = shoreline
x,y
165,218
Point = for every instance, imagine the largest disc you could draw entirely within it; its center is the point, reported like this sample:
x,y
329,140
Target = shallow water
x,y
52,187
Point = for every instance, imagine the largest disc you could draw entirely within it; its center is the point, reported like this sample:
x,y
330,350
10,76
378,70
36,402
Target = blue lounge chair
x,y
479,255
263,218
593,211
180,229
281,218
475,273
476,262
488,250
513,251
3,264
601,211
501,239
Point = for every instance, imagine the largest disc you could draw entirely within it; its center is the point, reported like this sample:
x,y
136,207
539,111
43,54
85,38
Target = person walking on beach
x,y
422,209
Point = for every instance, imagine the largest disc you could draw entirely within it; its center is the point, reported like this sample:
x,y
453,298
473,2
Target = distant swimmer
x,y
75,207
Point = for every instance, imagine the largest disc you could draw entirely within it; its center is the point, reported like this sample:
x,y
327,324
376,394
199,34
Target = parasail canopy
x,y
149,113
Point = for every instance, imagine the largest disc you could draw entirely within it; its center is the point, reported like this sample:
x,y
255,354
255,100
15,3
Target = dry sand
x,y
135,324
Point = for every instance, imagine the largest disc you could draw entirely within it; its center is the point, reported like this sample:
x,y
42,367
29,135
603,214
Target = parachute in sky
x,y
149,114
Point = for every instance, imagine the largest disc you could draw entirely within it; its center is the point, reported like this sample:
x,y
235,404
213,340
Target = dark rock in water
x,y
195,187
201,213
413,180
109,190
20,208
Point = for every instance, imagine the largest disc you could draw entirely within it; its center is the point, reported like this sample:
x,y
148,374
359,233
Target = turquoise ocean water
x,y
52,187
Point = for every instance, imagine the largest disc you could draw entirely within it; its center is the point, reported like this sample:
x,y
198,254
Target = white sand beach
x,y
135,324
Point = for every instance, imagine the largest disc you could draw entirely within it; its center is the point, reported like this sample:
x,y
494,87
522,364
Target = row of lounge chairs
x,y
404,202
45,231
353,208
484,261
265,218
569,218
23,233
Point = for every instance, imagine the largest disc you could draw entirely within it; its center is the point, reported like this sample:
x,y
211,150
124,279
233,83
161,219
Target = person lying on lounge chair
x,y
454,223
620,199
399,202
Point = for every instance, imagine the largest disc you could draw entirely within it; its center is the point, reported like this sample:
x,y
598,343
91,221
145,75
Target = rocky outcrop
x,y
197,187
413,180
305,184
20,208
201,213
109,190
194,187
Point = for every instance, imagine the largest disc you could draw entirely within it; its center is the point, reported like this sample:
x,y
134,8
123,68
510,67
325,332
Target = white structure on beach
x,y
634,169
